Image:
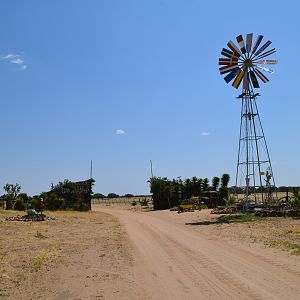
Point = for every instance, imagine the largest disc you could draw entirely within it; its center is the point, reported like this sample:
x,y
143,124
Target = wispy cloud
x,y
205,133
16,59
120,131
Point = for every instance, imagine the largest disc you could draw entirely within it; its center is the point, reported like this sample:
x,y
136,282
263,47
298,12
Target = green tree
x,y
195,190
98,196
12,191
112,195
128,195
215,183
205,184
188,188
199,184
165,193
223,192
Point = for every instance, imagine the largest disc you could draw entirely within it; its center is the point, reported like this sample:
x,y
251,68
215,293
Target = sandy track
x,y
173,261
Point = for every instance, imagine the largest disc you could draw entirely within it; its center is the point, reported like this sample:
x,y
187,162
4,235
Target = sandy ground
x,y
126,253
176,259
76,256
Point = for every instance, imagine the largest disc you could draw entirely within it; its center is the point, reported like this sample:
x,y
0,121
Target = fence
x,y
122,200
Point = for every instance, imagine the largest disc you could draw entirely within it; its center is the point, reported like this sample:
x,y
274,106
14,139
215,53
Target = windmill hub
x,y
247,64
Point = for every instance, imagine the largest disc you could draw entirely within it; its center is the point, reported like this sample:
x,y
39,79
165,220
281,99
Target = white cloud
x,y
120,132
10,56
16,59
205,133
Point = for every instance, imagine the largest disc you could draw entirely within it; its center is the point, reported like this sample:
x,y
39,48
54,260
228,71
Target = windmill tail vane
x,y
244,63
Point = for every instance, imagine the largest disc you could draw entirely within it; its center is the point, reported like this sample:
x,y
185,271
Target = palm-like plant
x,y
215,183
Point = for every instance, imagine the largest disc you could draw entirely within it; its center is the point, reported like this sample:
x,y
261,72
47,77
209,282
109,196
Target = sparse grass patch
x,y
240,218
41,258
295,230
4,295
276,232
293,248
40,235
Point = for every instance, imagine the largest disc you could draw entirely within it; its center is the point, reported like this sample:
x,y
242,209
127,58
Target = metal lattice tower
x,y
254,172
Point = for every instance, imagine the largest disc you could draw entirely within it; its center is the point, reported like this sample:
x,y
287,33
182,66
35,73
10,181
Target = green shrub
x,y
81,207
295,202
54,202
33,202
230,201
20,205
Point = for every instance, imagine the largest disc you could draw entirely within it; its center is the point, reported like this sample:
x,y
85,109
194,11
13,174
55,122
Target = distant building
x,y
77,195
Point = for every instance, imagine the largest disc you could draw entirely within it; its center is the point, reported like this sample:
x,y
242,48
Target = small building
x,y
76,195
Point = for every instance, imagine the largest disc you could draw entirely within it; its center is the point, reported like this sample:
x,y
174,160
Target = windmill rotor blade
x,y
262,48
227,69
266,53
228,61
253,79
234,48
265,69
257,42
241,43
261,75
228,53
238,79
246,81
249,42
231,75
267,62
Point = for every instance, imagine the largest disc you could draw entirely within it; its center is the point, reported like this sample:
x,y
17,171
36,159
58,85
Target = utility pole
x,y
91,171
151,168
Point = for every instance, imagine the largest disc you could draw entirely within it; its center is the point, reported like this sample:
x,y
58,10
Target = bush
x,y
33,202
81,207
133,203
20,205
54,202
144,202
295,202
230,201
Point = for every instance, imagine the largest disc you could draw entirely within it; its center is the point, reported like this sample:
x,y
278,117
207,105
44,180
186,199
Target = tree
x,y
223,192
215,183
128,195
165,193
112,195
195,191
205,184
98,196
12,191
187,188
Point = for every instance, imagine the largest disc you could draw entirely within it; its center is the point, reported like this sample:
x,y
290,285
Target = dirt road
x,y
174,261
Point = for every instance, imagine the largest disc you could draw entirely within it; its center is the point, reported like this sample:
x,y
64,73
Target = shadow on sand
x,y
205,223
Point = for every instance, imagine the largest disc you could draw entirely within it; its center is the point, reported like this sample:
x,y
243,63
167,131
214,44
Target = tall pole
x,y
151,168
91,170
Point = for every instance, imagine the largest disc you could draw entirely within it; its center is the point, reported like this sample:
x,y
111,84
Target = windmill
x,y
245,64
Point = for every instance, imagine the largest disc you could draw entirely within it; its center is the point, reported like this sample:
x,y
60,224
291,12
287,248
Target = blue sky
x,y
73,73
